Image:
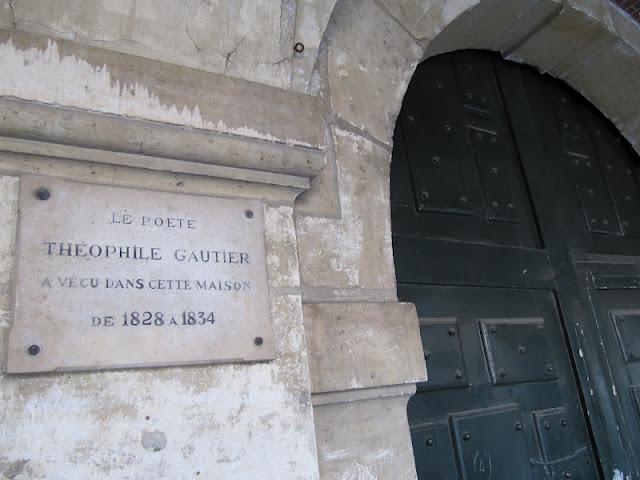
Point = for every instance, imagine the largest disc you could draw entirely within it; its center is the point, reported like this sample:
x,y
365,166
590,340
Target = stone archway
x,y
371,48
374,48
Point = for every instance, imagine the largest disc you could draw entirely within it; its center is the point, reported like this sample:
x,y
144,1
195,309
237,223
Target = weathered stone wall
x,y
74,109
210,97
226,421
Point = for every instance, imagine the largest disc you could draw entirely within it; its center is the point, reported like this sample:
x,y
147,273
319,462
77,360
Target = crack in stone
x,y
285,59
199,49
195,44
13,13
232,52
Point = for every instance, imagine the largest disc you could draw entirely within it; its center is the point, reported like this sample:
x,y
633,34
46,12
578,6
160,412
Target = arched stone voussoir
x,y
371,59
595,47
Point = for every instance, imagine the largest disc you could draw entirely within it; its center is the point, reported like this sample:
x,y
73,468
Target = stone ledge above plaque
x,y
112,277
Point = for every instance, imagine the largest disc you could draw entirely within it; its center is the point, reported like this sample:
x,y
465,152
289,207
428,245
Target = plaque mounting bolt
x,y
43,193
33,350
248,213
258,341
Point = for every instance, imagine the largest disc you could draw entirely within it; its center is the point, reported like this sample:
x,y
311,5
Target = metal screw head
x,y
43,193
550,368
522,349
429,441
424,194
248,213
451,331
566,475
466,436
298,47
33,350
493,329
518,426
458,375
547,426
258,341
502,373
563,422
435,160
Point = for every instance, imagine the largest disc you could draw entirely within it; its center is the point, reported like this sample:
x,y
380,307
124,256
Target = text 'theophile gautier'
x,y
134,252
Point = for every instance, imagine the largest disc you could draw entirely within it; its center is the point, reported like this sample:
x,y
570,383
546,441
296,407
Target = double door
x,y
516,232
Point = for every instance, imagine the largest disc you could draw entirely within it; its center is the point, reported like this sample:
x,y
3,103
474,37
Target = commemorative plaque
x,y
113,277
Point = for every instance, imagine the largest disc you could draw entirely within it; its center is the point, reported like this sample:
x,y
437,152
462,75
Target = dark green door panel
x,y
516,231
497,364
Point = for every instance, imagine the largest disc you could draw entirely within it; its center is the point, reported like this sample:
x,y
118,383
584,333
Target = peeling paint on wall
x,y
46,76
239,38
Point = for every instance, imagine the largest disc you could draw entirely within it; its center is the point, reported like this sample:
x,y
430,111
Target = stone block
x,y
426,19
366,439
559,40
624,25
69,74
363,345
312,17
239,38
353,251
366,87
281,248
37,129
322,198
609,79
490,24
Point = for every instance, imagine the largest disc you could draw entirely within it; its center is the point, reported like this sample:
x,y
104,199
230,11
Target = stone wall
x,y
223,421
211,97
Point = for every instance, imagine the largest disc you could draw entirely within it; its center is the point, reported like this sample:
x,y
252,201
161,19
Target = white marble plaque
x,y
111,277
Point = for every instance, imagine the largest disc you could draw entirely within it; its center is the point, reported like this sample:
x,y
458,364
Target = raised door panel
x,y
497,361
456,174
